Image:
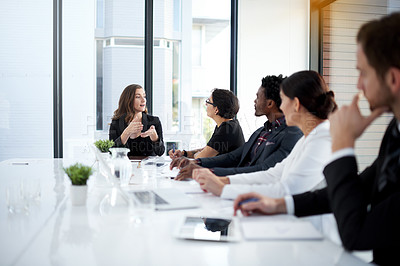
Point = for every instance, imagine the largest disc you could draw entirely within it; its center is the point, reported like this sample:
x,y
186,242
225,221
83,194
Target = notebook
x,y
166,198
279,227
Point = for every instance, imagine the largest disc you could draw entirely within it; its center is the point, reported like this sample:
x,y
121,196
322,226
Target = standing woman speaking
x,y
133,128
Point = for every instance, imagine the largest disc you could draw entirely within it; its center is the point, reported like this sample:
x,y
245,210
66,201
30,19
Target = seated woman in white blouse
x,y
306,103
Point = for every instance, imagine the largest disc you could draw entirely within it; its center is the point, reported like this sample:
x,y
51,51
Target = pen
x,y
173,147
248,200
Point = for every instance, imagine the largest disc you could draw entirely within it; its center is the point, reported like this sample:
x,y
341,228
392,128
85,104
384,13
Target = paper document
x,y
279,227
188,187
169,173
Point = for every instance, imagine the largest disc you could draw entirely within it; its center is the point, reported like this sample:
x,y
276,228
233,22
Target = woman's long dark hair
x,y
311,90
126,103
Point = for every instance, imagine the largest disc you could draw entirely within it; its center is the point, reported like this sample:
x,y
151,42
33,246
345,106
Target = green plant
x,y
78,173
104,145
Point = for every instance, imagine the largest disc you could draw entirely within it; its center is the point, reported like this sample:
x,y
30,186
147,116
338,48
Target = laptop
x,y
165,198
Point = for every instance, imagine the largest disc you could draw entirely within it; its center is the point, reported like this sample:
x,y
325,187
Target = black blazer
x,y
139,146
280,144
367,218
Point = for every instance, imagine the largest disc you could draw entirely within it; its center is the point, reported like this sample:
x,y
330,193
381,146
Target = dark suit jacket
x,y
139,146
280,143
367,218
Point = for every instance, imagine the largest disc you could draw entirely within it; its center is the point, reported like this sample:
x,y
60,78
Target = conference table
x,y
54,232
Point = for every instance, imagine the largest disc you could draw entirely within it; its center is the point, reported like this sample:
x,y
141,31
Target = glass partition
x,y
26,79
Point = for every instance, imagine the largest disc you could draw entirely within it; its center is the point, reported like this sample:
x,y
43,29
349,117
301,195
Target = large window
x,y
210,60
193,60
103,52
340,23
26,79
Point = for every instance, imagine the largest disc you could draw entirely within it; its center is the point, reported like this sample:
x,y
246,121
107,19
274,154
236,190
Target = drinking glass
x,y
16,202
144,203
31,189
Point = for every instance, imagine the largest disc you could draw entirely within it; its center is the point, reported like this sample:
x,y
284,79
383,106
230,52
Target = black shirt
x,y
139,146
227,137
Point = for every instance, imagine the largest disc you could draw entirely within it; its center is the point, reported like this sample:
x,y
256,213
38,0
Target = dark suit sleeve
x,y
311,203
360,228
223,160
115,133
219,171
287,143
158,146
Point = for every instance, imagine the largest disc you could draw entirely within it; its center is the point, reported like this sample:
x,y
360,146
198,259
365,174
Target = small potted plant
x,y
78,174
104,147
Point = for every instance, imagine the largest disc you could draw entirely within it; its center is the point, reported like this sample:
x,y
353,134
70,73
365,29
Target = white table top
x,y
56,233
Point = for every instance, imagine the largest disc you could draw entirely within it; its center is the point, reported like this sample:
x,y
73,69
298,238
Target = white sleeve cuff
x,y
236,179
342,153
230,192
289,204
231,179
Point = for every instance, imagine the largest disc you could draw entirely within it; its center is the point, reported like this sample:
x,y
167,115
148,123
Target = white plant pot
x,y
106,156
78,195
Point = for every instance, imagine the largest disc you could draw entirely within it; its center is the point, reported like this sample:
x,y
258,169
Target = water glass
x,y
143,205
149,169
16,202
31,190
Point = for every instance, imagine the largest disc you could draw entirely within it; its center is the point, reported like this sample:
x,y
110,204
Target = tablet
x,y
209,229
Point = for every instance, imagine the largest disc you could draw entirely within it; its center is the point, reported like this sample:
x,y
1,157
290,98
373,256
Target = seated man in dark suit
x,y
367,205
267,146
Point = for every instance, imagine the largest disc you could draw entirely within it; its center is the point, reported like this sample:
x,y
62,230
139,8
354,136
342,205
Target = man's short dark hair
x,y
272,85
380,41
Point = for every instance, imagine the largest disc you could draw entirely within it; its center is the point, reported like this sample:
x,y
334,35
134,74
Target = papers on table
x,y
193,188
278,227
166,172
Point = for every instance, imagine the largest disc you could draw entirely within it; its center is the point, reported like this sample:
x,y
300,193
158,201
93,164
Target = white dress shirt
x,y
301,171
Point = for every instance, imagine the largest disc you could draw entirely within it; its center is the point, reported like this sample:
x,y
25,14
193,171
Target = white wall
x,y
273,39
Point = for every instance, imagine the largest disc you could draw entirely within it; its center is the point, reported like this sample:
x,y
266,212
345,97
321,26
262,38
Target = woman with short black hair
x,y
222,106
